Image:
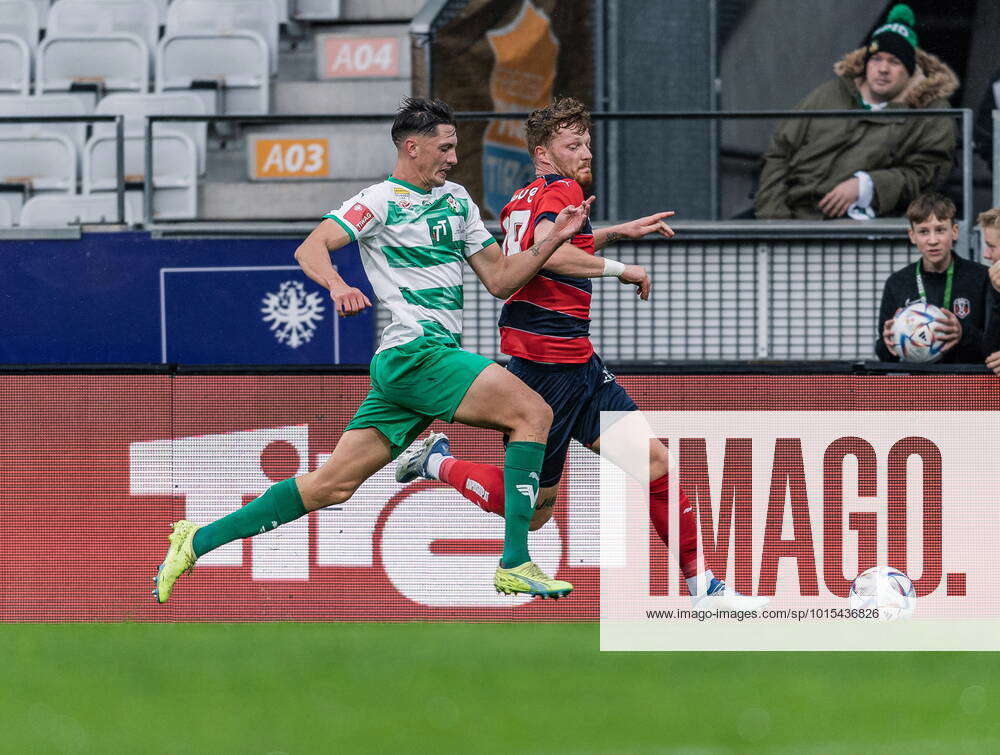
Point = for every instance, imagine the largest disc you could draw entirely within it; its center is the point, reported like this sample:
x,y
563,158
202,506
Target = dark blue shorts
x,y
577,393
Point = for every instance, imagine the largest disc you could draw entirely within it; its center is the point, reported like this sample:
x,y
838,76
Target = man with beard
x,y
544,328
863,167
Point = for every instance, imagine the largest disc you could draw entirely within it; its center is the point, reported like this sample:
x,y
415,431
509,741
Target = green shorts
x,y
413,385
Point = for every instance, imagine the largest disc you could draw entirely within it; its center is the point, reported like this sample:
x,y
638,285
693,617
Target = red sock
x,y
659,509
480,483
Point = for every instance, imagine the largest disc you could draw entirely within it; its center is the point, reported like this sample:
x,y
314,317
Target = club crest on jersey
x,y
359,216
962,307
453,204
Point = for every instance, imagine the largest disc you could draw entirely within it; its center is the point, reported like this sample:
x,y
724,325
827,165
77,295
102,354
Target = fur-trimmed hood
x,y
932,80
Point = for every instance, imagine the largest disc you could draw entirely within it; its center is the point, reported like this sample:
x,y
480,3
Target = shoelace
x,y
534,572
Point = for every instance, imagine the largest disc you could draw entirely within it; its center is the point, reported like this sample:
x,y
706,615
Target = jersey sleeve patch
x,y
359,216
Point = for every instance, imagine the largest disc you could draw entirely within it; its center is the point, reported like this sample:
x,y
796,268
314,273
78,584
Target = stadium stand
x,y
54,104
135,108
101,17
55,211
175,171
33,163
6,216
228,72
20,19
15,65
203,57
223,17
92,66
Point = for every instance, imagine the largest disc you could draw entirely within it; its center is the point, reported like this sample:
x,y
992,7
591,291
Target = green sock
x,y
521,466
279,504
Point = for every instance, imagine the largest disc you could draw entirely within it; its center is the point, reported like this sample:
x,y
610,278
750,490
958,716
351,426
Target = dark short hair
x,y
418,115
929,204
542,124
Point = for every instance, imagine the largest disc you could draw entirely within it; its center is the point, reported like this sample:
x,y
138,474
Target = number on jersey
x,y
515,225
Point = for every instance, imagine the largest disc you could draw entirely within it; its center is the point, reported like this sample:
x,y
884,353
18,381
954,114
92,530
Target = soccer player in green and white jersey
x,y
415,230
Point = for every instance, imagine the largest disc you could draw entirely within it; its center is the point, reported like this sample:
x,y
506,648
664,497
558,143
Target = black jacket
x,y
979,313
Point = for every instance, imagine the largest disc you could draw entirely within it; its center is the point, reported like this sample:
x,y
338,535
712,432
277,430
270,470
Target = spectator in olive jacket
x,y
863,167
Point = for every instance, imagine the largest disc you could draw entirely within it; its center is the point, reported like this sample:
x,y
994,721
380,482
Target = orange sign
x,y
360,57
291,158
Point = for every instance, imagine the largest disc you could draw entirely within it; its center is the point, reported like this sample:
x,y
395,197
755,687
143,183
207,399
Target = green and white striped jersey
x,y
413,245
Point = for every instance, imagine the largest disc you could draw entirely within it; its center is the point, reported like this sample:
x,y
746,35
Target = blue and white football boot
x,y
722,597
412,463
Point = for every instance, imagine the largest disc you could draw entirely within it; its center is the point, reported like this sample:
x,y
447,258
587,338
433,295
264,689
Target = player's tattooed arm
x,y
634,229
504,275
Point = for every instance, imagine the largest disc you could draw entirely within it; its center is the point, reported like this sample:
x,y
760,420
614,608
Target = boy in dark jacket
x,y
960,287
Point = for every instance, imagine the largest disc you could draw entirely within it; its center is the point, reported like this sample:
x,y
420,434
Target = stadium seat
x,y
35,163
20,19
317,10
135,108
6,215
58,210
76,18
161,10
227,16
42,7
15,65
56,104
175,172
90,67
228,72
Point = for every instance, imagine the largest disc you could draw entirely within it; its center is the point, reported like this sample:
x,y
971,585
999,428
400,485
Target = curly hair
x,y
565,112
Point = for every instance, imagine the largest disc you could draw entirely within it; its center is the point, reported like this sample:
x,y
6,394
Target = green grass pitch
x,y
305,688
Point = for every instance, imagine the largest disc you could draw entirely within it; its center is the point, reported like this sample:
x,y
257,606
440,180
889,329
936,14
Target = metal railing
x,y
118,120
785,290
965,115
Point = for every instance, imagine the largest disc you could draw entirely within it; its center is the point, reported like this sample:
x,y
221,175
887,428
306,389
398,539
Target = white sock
x,y
434,465
698,584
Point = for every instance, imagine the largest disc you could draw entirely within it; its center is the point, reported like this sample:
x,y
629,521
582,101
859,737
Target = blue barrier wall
x,y
119,298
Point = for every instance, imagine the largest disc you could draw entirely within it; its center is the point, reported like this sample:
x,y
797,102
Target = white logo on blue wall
x,y
292,313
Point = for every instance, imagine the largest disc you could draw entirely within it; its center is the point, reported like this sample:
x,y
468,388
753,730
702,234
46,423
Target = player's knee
x,y
331,492
538,416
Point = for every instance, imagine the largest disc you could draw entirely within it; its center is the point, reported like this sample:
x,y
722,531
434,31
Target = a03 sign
x,y
289,158
360,57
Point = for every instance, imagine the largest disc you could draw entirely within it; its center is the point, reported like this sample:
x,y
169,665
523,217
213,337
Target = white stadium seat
x,y
161,9
75,18
135,108
58,210
56,104
15,65
111,63
317,10
20,18
224,17
42,6
36,163
228,72
6,215
175,171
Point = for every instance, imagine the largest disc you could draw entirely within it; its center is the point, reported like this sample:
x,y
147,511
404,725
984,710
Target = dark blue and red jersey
x,y
548,320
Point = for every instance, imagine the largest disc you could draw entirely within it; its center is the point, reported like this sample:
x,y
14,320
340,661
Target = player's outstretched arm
x,y
503,275
313,256
634,229
575,262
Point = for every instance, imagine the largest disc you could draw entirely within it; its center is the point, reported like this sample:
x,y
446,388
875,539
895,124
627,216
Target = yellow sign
x,y
291,158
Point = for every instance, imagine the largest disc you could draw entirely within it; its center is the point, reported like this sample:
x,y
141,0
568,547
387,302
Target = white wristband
x,y
612,268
